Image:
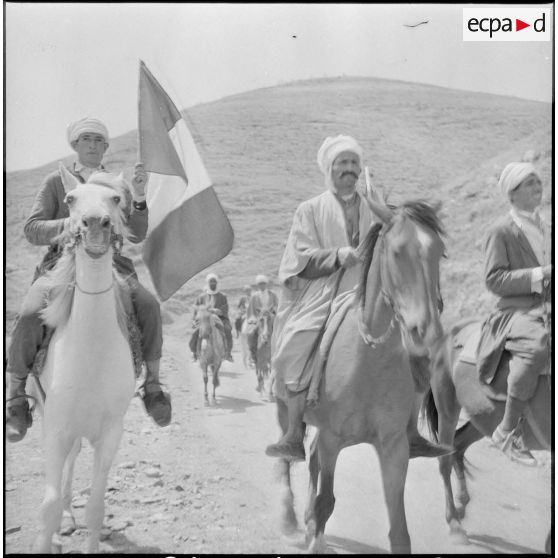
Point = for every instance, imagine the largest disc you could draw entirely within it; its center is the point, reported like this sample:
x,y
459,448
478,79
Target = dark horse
x,y
455,385
366,392
263,350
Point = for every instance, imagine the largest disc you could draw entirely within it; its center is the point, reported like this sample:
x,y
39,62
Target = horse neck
x,y
93,293
377,313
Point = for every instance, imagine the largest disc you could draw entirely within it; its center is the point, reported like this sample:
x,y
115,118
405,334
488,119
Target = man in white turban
x,y
262,300
88,137
217,303
517,269
323,239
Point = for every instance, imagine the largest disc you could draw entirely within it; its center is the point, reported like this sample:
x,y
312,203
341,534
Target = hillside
x,y
260,150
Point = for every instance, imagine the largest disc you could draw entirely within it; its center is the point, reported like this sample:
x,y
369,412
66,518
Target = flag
x,y
188,229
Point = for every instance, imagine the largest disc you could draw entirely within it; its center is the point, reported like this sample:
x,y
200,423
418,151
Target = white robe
x,y
304,303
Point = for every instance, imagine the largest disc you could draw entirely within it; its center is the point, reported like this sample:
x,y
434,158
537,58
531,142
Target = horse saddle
x,y
466,343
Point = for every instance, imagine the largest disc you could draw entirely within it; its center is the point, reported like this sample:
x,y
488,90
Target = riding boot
x,y
157,403
419,446
507,438
291,445
18,414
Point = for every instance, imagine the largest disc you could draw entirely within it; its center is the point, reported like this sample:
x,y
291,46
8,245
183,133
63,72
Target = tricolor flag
x,y
188,229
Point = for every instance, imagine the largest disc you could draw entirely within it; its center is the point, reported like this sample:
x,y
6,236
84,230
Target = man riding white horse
x,y
323,239
217,303
49,217
517,270
261,300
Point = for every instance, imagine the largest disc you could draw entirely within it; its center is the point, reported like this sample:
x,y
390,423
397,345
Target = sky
x,y
64,61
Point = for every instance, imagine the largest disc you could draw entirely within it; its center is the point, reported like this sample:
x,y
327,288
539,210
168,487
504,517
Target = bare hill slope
x,y
260,150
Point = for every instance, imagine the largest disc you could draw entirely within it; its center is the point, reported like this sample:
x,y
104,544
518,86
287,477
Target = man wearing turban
x,y
217,303
324,236
517,270
88,137
261,300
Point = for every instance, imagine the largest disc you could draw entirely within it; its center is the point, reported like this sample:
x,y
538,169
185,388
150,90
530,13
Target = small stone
x,y
11,530
127,465
158,482
105,534
153,472
150,500
179,488
10,487
79,502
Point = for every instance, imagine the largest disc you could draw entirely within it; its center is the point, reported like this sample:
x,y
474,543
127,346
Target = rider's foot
x,y
421,447
291,451
157,404
511,444
18,419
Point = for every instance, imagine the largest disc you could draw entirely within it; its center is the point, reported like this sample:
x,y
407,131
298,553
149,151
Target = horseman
x,y
323,240
49,217
518,271
261,300
217,303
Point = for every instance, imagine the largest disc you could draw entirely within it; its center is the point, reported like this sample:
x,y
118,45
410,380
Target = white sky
x,y
65,61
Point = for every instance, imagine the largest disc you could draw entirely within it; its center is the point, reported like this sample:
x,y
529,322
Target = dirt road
x,y
204,484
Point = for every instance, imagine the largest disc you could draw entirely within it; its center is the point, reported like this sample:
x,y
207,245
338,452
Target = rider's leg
x,y
27,337
157,403
193,343
528,345
291,445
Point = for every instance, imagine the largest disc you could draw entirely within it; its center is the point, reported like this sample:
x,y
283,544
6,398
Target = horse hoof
x,y
67,525
459,536
318,545
310,532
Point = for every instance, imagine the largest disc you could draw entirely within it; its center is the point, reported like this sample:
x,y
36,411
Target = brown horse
x,y
454,386
263,350
366,392
211,343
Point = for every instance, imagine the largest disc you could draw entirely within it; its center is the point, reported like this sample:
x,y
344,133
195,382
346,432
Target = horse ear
x,y
68,179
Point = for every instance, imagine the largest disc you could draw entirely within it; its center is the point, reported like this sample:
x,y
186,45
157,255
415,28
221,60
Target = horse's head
x,y
265,326
408,256
96,211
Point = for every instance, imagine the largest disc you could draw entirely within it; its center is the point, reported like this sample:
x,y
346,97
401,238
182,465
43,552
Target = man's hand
x,y
139,182
347,256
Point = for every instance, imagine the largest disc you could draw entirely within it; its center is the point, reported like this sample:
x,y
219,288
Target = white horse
x,y
88,379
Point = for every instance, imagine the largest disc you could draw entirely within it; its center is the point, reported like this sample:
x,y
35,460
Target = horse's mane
x,y
61,294
423,213
367,250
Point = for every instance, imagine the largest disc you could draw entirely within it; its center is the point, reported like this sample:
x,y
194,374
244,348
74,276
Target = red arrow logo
x,y
519,25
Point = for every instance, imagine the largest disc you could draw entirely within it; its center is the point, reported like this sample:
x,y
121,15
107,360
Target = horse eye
x,y
69,199
116,199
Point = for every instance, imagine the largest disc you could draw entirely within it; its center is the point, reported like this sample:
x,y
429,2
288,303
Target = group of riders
x,y
323,240
251,305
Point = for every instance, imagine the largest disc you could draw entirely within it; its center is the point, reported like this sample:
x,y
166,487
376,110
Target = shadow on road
x,y
230,373
498,545
341,545
234,404
122,544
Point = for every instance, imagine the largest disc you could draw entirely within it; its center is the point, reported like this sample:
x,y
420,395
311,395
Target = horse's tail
x,y
430,414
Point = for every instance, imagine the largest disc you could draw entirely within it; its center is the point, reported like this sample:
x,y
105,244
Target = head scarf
x,y
332,146
261,279
208,289
86,126
513,175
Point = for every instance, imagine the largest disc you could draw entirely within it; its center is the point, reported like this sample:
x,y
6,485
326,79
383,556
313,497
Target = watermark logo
x,y
507,24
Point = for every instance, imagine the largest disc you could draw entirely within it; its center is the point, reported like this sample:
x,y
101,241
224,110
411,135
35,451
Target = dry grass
x,y
260,150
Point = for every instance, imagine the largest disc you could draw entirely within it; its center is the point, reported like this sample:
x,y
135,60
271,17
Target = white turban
x,y
86,126
261,279
514,174
211,276
332,147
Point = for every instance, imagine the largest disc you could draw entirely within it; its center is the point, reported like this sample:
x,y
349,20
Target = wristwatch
x,y
140,206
